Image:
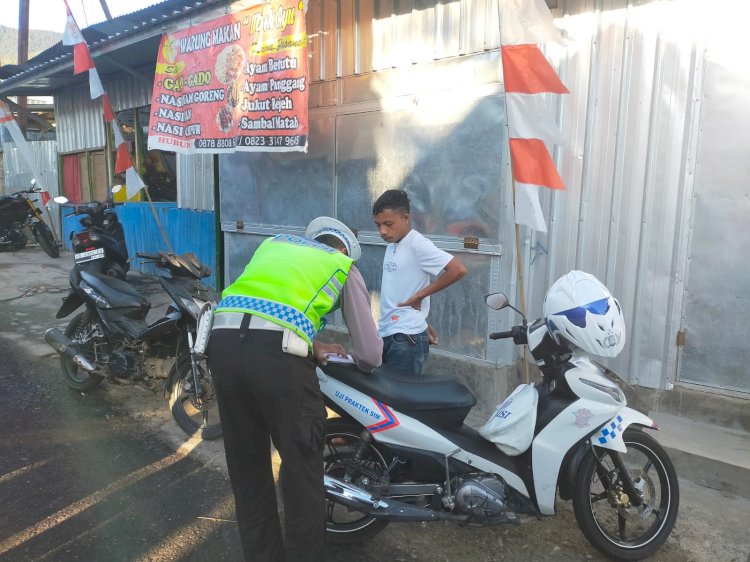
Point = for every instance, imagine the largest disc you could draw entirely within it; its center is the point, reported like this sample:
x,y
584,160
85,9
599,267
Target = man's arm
x,y
367,345
454,271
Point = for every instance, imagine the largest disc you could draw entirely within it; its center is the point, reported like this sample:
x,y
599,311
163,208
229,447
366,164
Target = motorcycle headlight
x,y
613,391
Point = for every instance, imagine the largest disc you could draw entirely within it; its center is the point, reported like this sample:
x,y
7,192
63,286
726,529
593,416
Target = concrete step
x,y
710,455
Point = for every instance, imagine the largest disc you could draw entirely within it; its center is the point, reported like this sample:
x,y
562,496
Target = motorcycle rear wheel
x,y
44,237
609,522
192,413
76,378
344,525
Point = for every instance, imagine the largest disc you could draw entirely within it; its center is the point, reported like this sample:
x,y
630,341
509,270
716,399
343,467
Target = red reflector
x,y
83,238
90,248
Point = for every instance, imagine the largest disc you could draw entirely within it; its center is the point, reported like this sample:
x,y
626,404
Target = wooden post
x,y
521,289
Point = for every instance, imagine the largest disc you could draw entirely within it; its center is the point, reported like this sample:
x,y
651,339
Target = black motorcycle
x,y
17,212
100,247
111,339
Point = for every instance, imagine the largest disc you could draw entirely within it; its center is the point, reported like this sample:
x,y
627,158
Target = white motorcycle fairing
x,y
391,427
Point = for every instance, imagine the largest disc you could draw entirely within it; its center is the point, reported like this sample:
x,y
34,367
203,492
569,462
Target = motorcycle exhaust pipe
x,y
360,500
65,346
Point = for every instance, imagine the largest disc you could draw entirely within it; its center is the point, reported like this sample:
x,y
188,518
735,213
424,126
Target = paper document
x,y
333,358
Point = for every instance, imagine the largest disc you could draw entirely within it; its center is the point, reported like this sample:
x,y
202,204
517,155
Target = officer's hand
x,y
323,350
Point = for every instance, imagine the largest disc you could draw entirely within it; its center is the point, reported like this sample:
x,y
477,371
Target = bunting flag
x,y
8,121
82,61
527,77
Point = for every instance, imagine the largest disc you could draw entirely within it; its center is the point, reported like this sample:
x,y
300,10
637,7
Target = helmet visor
x,y
577,315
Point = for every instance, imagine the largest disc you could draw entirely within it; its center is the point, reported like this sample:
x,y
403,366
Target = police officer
x,y
262,354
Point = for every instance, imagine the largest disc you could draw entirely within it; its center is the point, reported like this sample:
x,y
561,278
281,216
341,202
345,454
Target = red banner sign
x,y
238,82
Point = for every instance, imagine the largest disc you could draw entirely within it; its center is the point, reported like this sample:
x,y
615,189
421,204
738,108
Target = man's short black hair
x,y
332,241
394,199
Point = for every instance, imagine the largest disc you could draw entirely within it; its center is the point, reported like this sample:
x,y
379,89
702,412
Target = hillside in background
x,y
38,41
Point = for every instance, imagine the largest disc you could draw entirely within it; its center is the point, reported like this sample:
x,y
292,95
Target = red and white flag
x,y
95,84
528,77
82,62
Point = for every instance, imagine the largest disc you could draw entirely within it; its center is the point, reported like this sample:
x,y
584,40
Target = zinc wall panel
x,y
80,121
631,75
195,180
187,230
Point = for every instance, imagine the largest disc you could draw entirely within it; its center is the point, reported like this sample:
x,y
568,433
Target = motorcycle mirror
x,y
60,199
497,301
116,188
33,182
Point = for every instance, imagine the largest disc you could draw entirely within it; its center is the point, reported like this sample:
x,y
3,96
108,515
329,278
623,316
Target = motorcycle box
x,y
511,426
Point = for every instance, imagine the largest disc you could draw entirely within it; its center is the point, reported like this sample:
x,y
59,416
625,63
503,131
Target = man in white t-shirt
x,y
410,262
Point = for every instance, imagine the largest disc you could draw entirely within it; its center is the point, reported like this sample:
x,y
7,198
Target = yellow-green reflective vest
x,y
291,281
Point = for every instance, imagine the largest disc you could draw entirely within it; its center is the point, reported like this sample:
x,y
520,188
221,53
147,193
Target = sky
x,y
50,14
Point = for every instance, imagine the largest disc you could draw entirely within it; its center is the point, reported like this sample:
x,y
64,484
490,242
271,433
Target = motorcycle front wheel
x,y
44,237
344,525
195,412
77,378
606,514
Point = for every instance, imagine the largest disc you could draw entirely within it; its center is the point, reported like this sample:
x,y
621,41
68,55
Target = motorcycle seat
x,y
422,396
118,293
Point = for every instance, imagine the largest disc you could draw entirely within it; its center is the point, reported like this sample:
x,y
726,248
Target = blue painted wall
x,y
187,230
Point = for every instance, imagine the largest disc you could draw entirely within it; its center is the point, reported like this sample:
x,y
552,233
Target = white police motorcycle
x,y
400,451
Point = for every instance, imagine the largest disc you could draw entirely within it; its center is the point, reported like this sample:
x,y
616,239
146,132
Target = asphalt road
x,y
108,476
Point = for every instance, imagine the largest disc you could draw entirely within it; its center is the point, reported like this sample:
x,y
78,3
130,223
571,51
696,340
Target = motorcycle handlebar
x,y
518,333
501,335
154,257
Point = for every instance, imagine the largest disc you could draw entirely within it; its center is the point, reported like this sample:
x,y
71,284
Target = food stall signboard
x,y
238,82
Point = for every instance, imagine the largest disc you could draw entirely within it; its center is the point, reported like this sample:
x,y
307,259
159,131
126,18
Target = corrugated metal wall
x,y
17,175
195,181
80,120
635,71
143,235
635,75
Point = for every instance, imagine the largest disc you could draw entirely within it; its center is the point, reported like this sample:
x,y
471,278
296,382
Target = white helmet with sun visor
x,y
581,310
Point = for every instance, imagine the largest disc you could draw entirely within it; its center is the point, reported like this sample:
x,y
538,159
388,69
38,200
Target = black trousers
x,y
265,394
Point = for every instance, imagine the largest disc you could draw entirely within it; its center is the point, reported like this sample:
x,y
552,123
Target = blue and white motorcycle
x,y
400,451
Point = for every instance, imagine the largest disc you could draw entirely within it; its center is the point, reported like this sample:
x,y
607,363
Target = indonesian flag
x,y
124,164
72,33
528,78
82,60
123,161
109,113
8,122
95,85
45,198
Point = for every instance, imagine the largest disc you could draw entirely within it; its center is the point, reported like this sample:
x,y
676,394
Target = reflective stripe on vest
x,y
292,281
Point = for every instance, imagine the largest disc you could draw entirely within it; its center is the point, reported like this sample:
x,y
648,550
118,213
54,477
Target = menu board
x,y
235,83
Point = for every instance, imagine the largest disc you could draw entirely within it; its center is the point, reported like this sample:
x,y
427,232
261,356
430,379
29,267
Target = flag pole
x,y
521,281
156,217
519,259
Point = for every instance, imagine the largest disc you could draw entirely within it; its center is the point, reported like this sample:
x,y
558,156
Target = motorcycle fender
x,y
610,435
70,303
566,482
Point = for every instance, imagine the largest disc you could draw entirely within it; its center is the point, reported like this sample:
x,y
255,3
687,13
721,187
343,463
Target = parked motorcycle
x,y
111,339
100,247
400,452
17,211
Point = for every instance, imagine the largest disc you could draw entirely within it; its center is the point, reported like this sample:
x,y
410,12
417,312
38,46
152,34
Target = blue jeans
x,y
406,352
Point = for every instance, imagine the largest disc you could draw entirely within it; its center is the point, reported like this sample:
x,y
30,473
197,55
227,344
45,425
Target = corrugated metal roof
x,y
38,76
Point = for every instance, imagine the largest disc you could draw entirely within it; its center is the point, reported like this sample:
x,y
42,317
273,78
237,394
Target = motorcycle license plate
x,y
91,255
